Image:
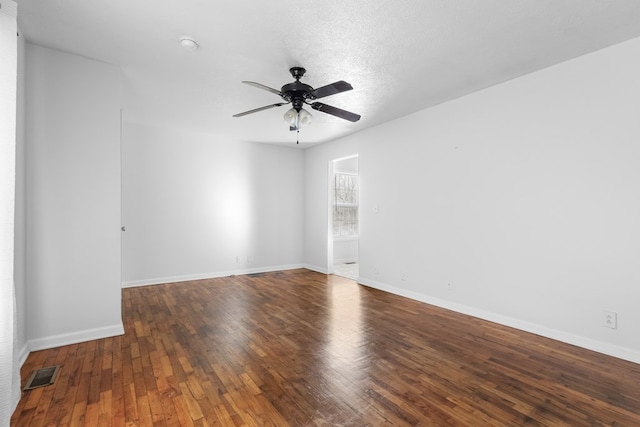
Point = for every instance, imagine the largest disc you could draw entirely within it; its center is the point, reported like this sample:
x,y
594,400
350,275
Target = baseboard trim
x,y
75,337
191,277
316,268
23,354
580,341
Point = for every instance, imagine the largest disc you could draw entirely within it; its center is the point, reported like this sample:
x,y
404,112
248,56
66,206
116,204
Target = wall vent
x,y
42,377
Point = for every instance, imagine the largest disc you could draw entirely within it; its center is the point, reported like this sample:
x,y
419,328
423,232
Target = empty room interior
x,y
328,213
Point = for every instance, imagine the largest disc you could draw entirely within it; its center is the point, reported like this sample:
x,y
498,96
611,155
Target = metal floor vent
x,y
255,274
42,377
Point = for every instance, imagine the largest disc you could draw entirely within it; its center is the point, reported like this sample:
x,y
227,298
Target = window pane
x,y
345,212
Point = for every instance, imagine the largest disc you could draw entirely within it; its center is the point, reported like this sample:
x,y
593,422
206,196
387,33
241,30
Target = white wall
x,y
345,250
193,205
317,231
9,368
20,254
73,198
518,203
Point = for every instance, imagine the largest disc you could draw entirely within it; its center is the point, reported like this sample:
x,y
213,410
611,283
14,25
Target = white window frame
x,y
352,205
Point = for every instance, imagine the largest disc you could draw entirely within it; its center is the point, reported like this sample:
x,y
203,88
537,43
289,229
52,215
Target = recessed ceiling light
x,y
189,43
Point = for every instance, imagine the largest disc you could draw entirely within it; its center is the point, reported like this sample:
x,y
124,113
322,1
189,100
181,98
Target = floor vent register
x,y
42,377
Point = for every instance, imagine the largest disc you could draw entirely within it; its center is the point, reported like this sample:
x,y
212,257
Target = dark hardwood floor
x,y
299,348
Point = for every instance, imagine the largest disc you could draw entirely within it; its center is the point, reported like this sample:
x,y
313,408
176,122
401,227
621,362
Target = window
x,y
345,209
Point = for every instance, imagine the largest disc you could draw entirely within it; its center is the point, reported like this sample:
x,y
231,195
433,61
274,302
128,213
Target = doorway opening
x,y
344,219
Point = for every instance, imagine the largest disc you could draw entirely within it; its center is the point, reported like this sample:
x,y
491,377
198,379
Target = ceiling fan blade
x,y
255,110
334,111
331,89
263,87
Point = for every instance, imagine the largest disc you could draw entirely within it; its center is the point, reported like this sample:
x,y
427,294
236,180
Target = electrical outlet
x,y
609,319
238,259
450,286
375,270
403,276
249,259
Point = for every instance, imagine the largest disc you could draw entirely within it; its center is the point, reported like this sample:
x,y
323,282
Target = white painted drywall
x,y
196,206
318,169
348,165
20,254
523,197
345,250
9,368
73,198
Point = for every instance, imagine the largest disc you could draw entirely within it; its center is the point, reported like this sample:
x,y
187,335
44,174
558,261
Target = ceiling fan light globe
x,y
304,117
291,117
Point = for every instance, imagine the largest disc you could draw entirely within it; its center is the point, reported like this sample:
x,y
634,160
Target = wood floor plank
x,y
78,414
299,348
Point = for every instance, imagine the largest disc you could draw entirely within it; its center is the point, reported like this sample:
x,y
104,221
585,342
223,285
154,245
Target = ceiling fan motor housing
x,y
297,93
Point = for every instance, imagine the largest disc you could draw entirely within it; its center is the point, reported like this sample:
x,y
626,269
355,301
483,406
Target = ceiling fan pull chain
x,y
297,136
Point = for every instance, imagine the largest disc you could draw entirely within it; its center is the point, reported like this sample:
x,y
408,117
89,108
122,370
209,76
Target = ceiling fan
x,y
298,94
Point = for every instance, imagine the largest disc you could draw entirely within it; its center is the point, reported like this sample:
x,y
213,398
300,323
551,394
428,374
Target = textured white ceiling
x,y
400,56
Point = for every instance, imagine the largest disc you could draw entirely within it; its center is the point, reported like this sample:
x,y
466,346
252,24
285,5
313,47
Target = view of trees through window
x,y
345,210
